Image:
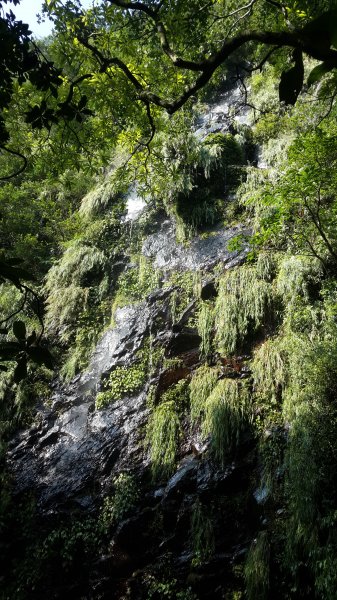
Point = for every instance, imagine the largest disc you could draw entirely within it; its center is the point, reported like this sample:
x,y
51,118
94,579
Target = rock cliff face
x,y
183,534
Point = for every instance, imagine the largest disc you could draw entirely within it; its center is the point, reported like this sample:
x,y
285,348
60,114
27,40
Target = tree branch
x,y
16,312
73,84
105,62
22,168
162,34
320,230
292,39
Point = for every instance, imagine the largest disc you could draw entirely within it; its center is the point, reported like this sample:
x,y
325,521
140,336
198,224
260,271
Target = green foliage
x,y
23,349
188,287
172,363
38,215
116,507
167,588
215,173
269,371
122,381
205,328
67,542
296,276
179,394
241,306
18,401
298,370
101,198
138,280
202,534
256,571
227,175
266,265
271,452
162,435
291,205
69,284
227,417
296,208
202,384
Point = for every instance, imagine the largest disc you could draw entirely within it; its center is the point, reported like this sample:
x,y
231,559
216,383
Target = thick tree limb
x,y
292,39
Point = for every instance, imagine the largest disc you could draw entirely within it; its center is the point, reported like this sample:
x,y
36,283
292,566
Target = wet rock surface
x,y
68,456
202,253
68,459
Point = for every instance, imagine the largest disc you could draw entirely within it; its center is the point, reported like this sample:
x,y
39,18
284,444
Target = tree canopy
x,y
131,59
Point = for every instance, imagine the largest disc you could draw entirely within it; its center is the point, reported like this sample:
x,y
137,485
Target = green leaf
x,y
31,338
318,72
20,371
14,274
292,80
41,356
323,30
19,330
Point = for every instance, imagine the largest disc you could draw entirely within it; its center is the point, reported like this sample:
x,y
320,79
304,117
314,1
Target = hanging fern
x,y
266,265
241,303
202,384
269,370
68,287
296,275
227,416
257,568
162,438
205,328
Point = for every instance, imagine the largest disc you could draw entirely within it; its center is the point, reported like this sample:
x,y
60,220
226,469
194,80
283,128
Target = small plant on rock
x,y
122,381
123,500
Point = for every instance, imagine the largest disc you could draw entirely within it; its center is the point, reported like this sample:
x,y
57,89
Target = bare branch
x,y
234,12
152,125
